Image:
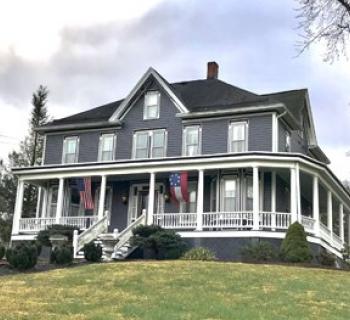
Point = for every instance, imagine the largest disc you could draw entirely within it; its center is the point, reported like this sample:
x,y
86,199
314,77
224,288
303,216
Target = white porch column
x,y
38,202
329,212
256,200
316,205
273,200
60,195
101,204
200,198
298,192
18,207
293,195
348,229
44,203
150,209
341,222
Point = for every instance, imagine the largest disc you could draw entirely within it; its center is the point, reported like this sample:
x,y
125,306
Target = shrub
x,y
23,256
92,252
259,251
62,255
295,247
199,253
43,237
326,258
2,251
142,232
167,244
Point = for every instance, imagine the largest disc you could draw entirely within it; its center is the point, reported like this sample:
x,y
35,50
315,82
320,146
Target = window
x,y
192,141
149,144
151,108
70,150
191,205
107,147
238,133
288,142
230,197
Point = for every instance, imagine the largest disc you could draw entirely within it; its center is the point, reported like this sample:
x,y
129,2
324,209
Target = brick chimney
x,y
213,70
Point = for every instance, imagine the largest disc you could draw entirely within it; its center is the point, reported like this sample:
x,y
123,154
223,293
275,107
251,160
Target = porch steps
x,y
124,251
107,242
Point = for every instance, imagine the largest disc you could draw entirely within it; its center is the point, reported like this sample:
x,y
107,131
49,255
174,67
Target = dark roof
x,y
198,95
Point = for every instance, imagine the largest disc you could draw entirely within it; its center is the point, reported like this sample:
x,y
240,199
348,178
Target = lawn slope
x,y
177,290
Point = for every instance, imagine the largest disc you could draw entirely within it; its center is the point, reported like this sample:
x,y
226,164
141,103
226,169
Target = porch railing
x,y
275,220
176,220
38,224
308,223
228,220
337,242
325,233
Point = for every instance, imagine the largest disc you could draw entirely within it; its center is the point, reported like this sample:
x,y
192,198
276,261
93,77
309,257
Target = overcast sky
x,y
92,52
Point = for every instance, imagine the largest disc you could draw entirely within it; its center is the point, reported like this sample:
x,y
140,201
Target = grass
x,y
177,290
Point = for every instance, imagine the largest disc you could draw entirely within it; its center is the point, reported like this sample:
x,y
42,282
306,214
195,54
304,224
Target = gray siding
x,y
53,150
297,143
282,132
260,133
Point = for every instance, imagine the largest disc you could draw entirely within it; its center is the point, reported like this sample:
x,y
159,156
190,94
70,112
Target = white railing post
x,y
316,206
150,209
293,195
329,212
273,200
60,195
256,198
341,222
101,205
18,207
200,198
75,243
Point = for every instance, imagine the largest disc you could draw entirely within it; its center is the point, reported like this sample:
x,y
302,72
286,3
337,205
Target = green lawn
x,y
177,290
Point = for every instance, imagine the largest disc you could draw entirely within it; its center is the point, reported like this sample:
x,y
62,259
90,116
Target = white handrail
x,y
126,234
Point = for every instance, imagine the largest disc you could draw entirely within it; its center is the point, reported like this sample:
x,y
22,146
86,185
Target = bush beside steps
x,y
199,253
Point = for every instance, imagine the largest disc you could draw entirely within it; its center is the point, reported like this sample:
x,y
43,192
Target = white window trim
x,y
150,143
230,131
100,146
76,158
153,92
184,139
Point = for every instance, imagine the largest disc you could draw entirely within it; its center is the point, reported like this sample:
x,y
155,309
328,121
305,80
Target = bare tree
x,y
326,21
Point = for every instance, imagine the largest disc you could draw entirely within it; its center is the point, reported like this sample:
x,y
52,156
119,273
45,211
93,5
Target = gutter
x,y
73,126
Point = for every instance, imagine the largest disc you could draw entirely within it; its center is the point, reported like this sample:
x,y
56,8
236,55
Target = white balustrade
x,y
175,220
83,222
275,220
337,241
228,220
325,233
308,223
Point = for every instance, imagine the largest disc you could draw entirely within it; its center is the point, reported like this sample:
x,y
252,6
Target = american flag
x,y
84,187
179,186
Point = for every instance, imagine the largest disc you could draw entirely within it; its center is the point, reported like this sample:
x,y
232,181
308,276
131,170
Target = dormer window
x,y
151,108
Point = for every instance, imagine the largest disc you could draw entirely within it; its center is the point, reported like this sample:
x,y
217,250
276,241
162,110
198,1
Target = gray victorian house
x,y
253,167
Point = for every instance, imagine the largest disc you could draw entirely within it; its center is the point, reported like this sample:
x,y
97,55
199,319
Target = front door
x,y
139,201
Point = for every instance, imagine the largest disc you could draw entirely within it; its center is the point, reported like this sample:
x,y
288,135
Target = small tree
x,y
295,247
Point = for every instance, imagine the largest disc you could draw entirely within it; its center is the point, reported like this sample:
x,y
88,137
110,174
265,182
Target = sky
x,y
90,53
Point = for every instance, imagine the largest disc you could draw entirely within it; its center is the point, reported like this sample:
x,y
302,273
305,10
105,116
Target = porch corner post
x,y
18,207
316,205
298,192
200,198
101,204
341,222
256,199
44,202
329,212
37,212
293,195
150,209
59,208
273,200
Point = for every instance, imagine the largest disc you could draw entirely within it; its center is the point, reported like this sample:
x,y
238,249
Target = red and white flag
x,y
84,187
179,186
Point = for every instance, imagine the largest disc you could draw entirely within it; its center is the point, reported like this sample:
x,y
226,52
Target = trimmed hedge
x,y
2,251
199,253
62,255
259,251
23,256
295,247
92,252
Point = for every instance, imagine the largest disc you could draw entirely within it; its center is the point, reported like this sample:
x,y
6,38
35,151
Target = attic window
x,y
151,108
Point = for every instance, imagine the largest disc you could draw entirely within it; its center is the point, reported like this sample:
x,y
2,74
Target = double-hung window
x,y
149,144
106,148
230,194
70,149
151,107
192,140
238,136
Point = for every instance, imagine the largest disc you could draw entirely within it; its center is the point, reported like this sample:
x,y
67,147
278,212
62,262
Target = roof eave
x,y
87,125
